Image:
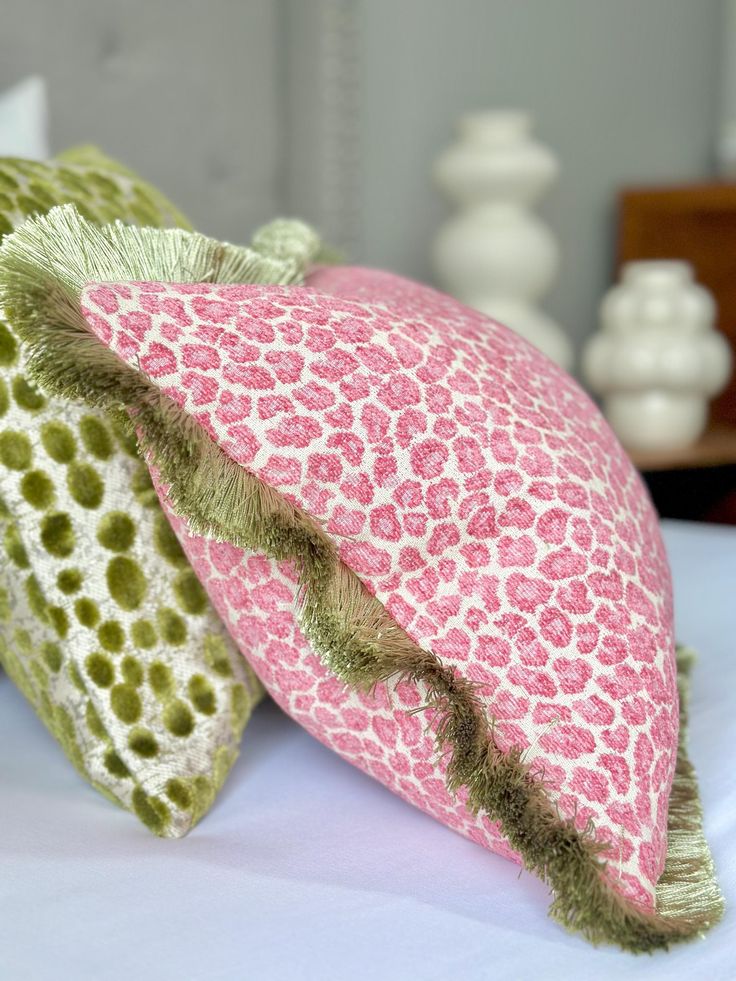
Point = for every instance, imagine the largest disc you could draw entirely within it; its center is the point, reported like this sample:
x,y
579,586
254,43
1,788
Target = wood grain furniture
x,y
697,223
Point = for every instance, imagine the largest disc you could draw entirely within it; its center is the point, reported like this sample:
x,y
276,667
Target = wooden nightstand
x,y
697,483
696,223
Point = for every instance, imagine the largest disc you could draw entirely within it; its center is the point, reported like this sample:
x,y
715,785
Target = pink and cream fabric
x,y
479,496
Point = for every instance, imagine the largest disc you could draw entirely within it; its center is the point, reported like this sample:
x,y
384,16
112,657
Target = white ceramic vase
x,y
657,359
495,254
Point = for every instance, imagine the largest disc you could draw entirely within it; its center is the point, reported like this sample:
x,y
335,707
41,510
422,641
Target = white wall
x,y
625,91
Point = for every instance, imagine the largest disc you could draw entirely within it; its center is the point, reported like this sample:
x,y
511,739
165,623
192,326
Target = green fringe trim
x,y
350,629
689,866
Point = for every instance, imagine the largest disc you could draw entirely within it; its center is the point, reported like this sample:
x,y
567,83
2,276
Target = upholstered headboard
x,y
185,92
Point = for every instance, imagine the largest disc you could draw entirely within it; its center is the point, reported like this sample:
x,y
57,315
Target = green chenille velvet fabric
x,y
103,625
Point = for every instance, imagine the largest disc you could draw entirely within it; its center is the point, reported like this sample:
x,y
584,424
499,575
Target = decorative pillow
x,y
103,625
431,548
24,119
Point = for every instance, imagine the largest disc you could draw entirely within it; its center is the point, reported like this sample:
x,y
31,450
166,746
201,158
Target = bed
x,y
278,881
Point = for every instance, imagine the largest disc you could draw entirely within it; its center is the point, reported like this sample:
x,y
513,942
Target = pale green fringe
x,y
689,868
43,267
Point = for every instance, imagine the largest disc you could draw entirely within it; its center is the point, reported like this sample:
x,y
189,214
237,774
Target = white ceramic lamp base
x,y
495,254
657,359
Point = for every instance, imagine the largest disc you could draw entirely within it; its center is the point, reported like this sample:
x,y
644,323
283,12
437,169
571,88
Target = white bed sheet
x,y
307,869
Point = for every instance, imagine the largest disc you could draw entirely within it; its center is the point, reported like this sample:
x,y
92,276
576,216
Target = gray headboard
x,y
186,92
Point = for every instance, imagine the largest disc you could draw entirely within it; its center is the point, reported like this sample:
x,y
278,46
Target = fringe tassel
x,y
689,880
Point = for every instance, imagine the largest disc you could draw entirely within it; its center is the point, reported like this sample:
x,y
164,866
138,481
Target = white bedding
x,y
307,869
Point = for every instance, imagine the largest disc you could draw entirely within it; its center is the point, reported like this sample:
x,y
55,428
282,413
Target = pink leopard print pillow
x,y
441,514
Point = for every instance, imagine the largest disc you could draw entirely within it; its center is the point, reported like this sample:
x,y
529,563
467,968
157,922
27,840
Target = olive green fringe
x,y
350,629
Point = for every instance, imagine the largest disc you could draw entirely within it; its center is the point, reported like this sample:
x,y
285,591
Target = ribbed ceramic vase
x,y
657,359
495,254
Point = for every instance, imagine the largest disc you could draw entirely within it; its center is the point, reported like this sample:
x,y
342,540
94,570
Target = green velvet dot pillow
x,y
103,625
